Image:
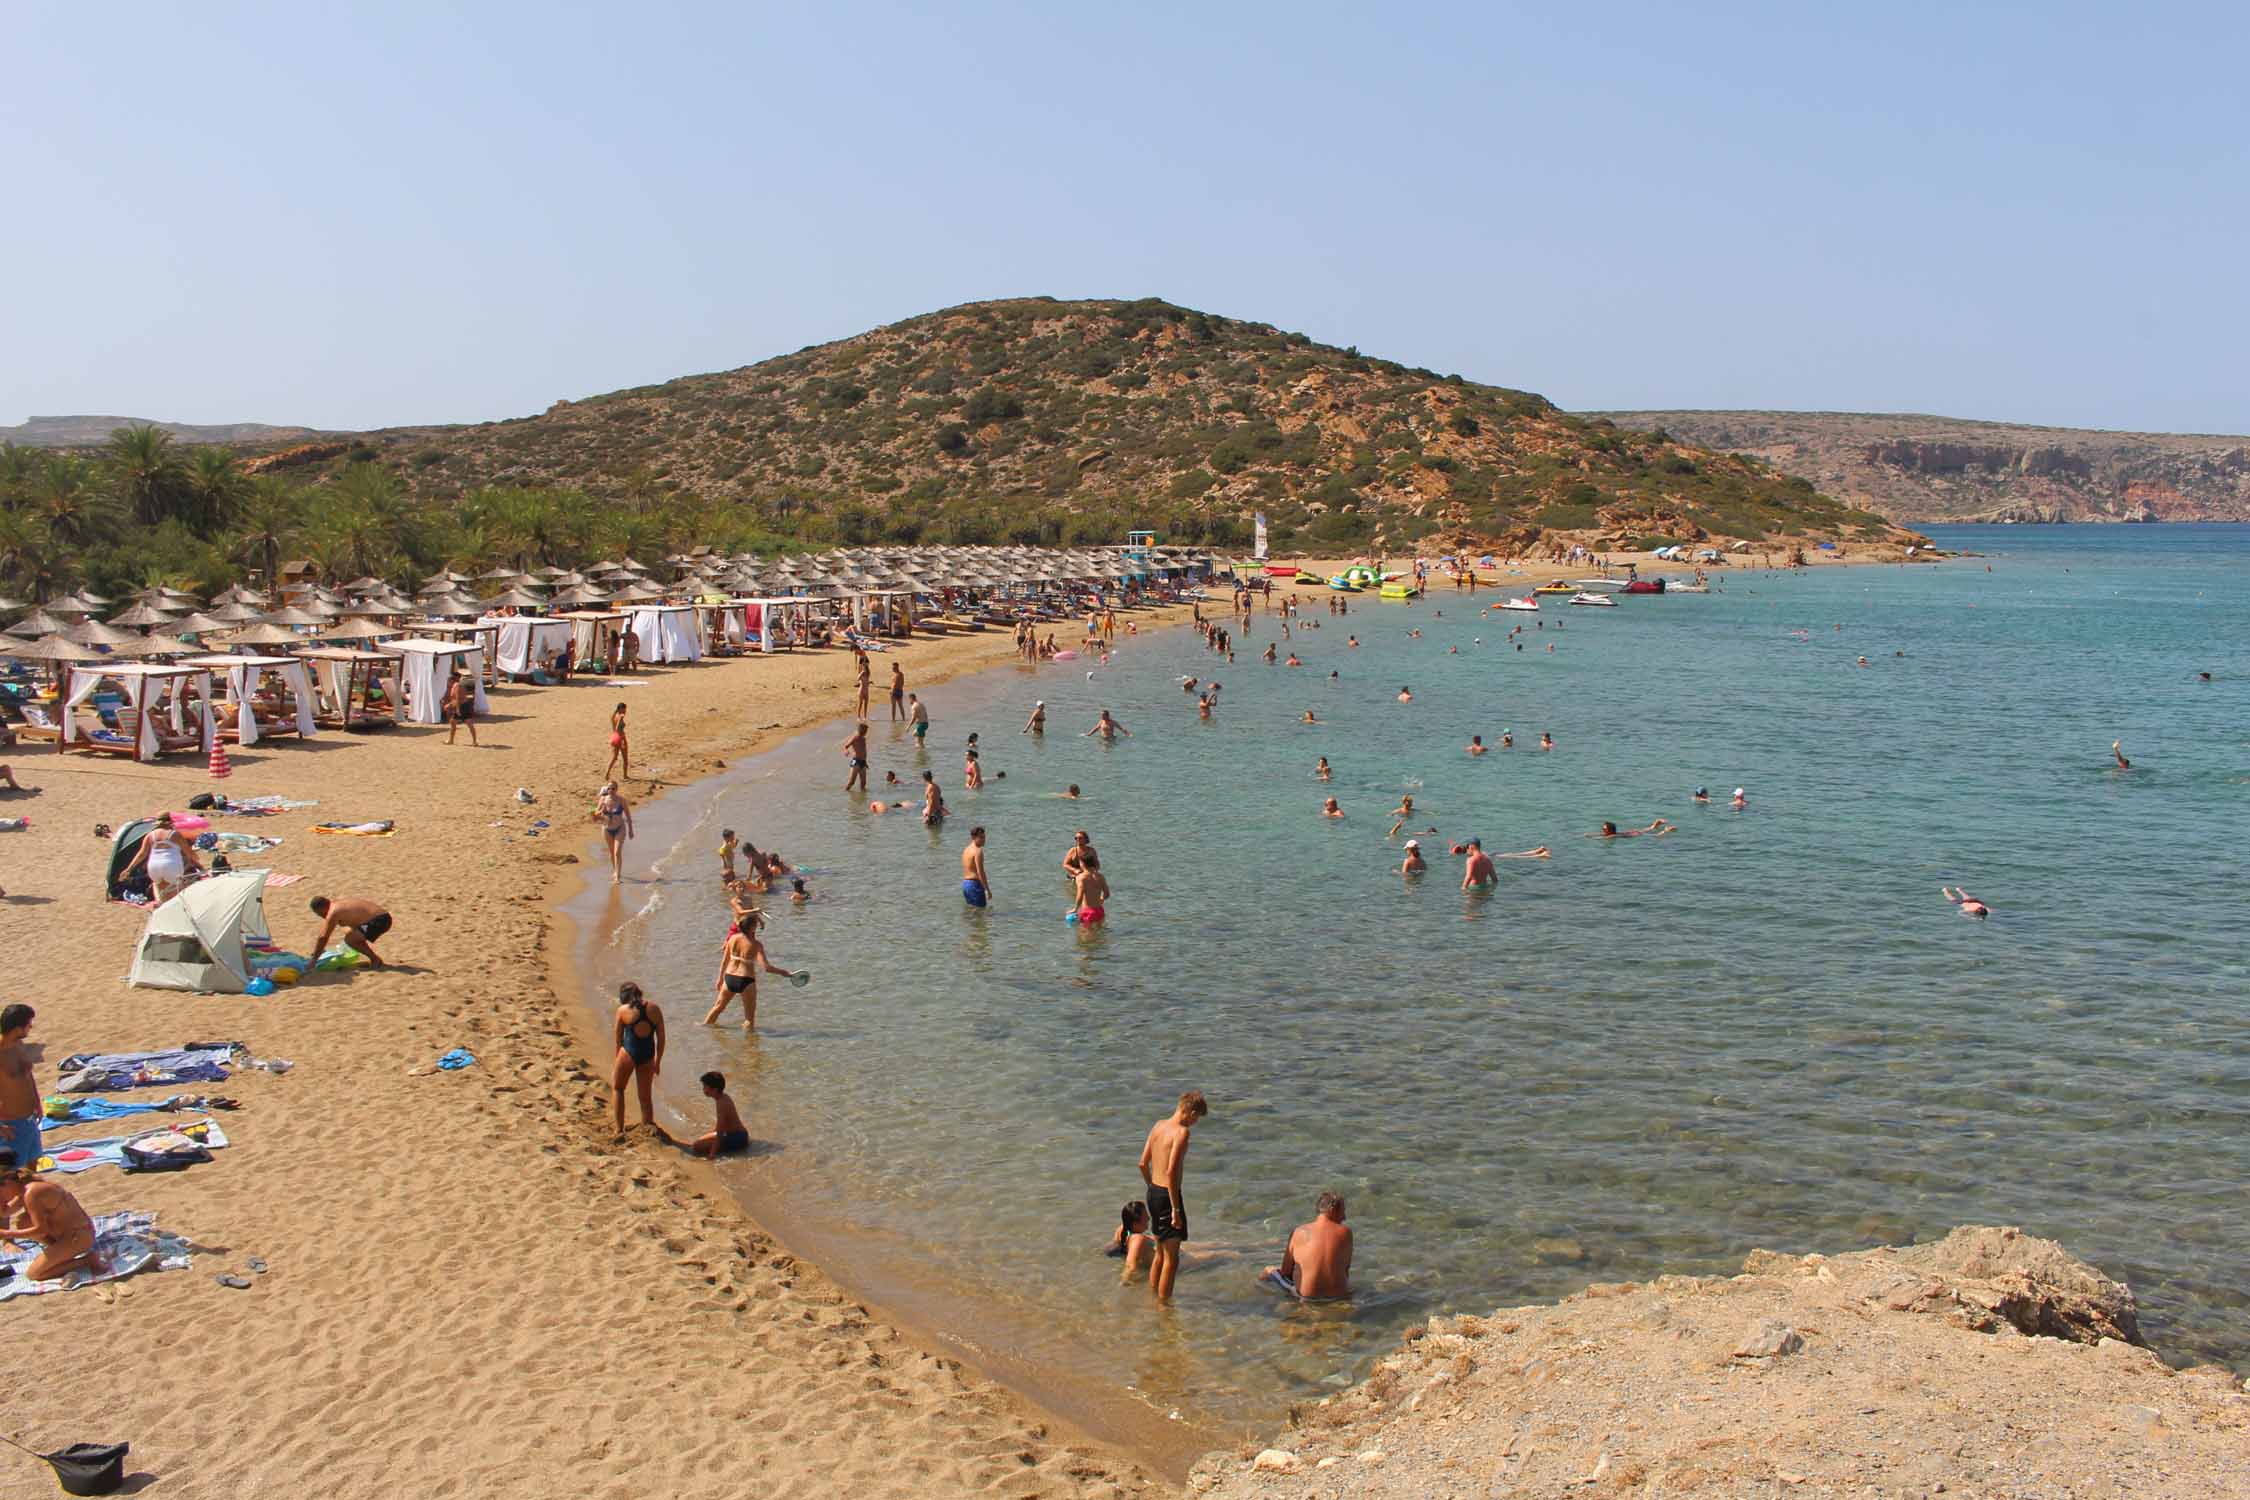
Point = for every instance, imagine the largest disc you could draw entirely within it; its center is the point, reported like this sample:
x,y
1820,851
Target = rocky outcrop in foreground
x,y
1990,1364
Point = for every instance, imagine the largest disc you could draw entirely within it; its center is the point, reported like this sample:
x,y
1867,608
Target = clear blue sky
x,y
422,213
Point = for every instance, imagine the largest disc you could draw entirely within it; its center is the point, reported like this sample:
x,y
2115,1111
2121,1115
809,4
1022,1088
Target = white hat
x,y
1738,791
1413,843
1042,703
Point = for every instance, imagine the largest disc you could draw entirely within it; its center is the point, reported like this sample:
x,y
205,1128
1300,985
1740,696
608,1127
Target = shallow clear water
x,y
1767,1029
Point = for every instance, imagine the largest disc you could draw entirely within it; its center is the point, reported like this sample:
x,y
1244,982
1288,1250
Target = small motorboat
x,y
1645,586
1583,584
1603,600
1688,588
1530,604
1554,588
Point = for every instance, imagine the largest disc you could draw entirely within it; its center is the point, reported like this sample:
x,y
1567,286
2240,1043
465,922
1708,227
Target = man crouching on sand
x,y
1163,1168
362,923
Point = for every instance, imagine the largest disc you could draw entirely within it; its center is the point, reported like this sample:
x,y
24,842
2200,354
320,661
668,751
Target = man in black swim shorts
x,y
1163,1167
362,923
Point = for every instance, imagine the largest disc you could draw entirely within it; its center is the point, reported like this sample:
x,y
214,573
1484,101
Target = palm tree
x,y
63,495
29,560
267,521
148,472
213,485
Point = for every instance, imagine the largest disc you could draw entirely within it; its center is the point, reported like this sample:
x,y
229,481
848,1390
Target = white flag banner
x,y
1260,553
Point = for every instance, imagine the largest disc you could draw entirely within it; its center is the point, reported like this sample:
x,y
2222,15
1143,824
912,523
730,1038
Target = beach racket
x,y
801,978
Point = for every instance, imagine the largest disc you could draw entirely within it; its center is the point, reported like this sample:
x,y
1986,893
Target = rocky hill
x,y
1030,417
89,432
1921,469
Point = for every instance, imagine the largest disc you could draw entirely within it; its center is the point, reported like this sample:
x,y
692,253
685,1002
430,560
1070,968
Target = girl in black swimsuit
x,y
640,1052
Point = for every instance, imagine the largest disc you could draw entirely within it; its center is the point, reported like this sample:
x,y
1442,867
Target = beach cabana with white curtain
x,y
242,674
592,634
668,632
145,687
424,666
484,634
524,644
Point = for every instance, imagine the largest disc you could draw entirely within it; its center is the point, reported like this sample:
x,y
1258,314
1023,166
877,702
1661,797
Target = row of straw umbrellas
x,y
156,621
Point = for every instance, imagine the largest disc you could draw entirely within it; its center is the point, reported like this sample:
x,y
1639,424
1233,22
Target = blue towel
x,y
96,1072
458,1058
82,1110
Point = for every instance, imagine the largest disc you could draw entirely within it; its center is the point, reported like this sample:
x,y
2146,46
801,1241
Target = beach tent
x,y
667,632
194,940
423,667
123,850
143,685
524,644
242,673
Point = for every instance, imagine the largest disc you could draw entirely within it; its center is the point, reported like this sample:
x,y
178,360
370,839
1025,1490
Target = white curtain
x,y
473,664
417,676
300,690
83,682
241,679
203,700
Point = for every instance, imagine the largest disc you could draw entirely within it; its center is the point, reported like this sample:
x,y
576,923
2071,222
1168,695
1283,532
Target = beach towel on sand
x,y
107,1072
71,1157
377,830
123,1244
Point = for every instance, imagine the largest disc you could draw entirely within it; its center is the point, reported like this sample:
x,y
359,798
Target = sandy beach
x,y
470,1289
443,1245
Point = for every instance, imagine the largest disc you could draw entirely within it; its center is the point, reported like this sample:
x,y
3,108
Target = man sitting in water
x,y
45,1215
1317,1260
362,922
1414,863
728,1134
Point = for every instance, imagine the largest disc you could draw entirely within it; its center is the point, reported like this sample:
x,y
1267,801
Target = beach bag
x,y
84,1468
163,1151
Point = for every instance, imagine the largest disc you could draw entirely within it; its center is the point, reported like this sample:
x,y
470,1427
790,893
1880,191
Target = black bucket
x,y
89,1468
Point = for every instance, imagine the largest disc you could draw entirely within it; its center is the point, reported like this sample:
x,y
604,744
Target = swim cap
x,y
1738,791
1703,791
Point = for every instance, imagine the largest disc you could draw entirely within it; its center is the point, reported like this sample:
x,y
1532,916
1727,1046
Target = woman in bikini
x,y
739,963
640,1053
616,818
620,753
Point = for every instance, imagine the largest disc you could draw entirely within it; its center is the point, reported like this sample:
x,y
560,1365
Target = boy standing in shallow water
x,y
1164,1167
727,846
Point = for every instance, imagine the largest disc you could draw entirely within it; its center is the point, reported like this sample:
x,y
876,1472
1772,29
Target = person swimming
x,y
1612,831
1413,864
1970,905
1320,770
1329,809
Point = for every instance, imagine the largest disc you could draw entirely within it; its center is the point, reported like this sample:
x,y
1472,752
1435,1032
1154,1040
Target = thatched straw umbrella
x,y
49,648
144,614
95,633
41,622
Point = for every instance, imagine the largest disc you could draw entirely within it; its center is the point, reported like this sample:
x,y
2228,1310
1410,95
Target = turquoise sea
x,y
1768,1029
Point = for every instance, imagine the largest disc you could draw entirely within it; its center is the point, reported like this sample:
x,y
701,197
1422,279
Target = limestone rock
x,y
2034,1284
1275,1461
1769,1339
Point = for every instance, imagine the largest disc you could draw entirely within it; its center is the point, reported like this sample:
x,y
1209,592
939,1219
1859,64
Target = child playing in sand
x,y
727,1132
726,856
